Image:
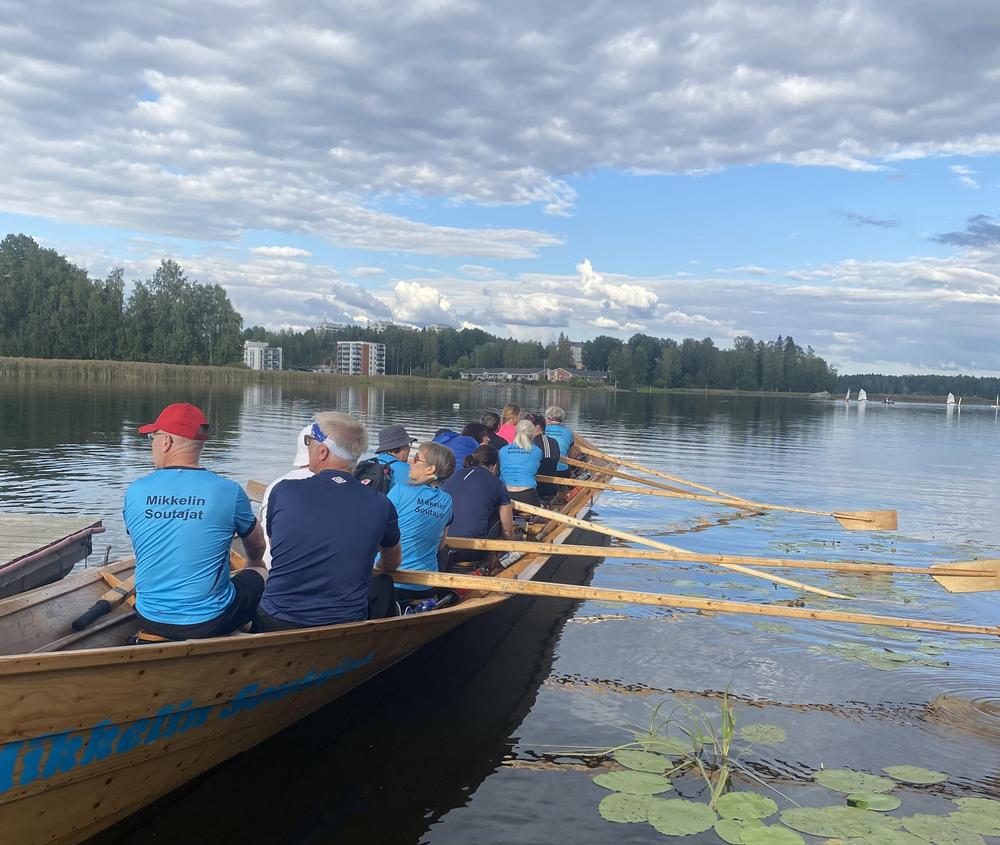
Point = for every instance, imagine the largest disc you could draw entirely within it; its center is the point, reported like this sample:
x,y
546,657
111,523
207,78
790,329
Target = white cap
x,y
301,450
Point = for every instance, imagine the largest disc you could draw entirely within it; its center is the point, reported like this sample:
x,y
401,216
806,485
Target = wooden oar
x,y
983,575
120,591
870,520
618,474
853,520
646,541
566,591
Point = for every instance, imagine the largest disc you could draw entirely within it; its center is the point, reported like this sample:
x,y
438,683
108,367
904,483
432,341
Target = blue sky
x,y
825,170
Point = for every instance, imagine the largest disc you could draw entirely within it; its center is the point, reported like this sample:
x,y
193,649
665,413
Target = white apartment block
x,y
360,358
257,355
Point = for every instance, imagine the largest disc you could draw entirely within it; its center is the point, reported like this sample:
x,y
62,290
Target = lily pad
x,y
878,801
915,774
763,734
731,831
886,837
771,834
840,821
773,627
679,817
745,805
890,634
848,780
634,783
930,648
977,822
986,806
980,642
642,761
941,830
927,660
624,809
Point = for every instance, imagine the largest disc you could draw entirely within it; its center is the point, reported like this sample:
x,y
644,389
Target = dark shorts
x,y
249,586
529,497
380,605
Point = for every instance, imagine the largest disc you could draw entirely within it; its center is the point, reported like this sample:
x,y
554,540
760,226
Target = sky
x,y
825,170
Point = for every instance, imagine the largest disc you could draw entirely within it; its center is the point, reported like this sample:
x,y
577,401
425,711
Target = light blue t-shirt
x,y
564,437
181,521
424,513
518,467
400,469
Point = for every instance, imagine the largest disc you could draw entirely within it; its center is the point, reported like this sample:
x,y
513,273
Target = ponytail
x,y
483,456
525,433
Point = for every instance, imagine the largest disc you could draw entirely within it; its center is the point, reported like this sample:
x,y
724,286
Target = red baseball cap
x,y
182,419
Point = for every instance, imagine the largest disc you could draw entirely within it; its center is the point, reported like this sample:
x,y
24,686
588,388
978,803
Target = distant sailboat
x,y
847,398
862,396
997,403
951,399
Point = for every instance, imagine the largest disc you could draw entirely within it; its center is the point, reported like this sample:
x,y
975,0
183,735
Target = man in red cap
x,y
182,519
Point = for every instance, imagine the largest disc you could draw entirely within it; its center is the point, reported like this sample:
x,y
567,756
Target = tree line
x,y
51,309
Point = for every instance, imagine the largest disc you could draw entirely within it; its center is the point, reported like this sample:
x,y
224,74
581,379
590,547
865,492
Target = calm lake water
x,y
462,743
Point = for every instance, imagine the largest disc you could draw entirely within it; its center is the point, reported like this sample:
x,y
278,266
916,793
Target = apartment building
x,y
360,358
257,355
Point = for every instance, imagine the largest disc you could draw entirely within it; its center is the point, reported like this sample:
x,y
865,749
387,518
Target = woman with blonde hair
x,y
509,418
519,462
425,512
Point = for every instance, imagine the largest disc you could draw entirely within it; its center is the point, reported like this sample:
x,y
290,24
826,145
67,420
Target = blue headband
x,y
320,437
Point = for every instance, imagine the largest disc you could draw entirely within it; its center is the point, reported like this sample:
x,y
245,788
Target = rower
x,y
550,457
482,508
325,533
394,443
300,469
519,463
181,519
555,418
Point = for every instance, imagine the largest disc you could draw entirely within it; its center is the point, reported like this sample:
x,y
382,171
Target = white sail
x,y
847,398
951,399
862,395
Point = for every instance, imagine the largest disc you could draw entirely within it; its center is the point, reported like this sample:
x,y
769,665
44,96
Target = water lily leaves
x,y
915,774
771,834
848,780
986,806
773,627
679,817
635,783
979,642
763,734
743,806
941,830
977,821
877,801
731,831
642,761
623,808
886,837
891,634
839,821
927,660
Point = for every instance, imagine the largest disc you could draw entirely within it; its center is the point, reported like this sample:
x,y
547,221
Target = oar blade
x,y
969,583
867,520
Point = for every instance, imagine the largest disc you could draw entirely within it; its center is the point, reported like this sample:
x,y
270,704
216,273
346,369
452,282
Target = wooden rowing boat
x,y
91,730
40,549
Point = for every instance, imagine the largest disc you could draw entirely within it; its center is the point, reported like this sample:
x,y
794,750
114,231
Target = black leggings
x,y
529,496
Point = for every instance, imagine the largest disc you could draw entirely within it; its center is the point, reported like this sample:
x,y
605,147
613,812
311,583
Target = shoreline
x,y
125,371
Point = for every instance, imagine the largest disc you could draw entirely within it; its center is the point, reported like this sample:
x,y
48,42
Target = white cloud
x,y
477,271
964,175
281,252
366,272
412,302
633,298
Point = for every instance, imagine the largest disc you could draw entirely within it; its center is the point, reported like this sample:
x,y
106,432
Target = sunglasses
x,y
317,436
152,435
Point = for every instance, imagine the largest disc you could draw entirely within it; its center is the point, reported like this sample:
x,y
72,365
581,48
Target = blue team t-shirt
x,y
476,494
424,514
325,532
564,437
400,469
518,467
181,521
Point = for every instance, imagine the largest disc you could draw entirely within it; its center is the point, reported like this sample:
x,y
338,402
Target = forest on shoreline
x,y
51,309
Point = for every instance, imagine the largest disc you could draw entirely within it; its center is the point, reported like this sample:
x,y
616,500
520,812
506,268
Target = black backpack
x,y
375,474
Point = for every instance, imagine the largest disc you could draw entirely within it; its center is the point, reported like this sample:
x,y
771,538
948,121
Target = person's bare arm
x,y
507,521
254,544
444,538
390,558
